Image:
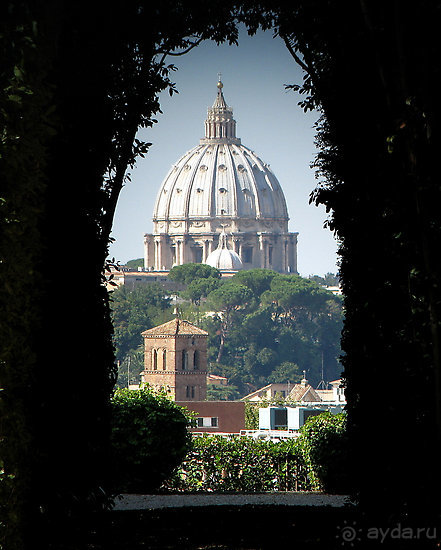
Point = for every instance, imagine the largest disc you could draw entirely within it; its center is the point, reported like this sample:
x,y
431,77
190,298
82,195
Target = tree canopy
x,y
134,264
135,310
254,337
271,329
187,273
227,299
258,280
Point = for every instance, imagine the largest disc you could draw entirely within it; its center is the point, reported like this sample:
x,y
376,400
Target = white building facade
x,y
220,186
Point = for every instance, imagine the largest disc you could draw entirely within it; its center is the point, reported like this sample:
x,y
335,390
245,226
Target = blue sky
x,y
269,121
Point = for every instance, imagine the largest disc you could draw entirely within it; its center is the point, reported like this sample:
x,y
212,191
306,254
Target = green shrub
x,y
323,443
252,415
241,464
149,439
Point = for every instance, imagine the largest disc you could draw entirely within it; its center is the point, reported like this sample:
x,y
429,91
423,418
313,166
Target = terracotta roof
x,y
299,391
278,387
256,393
175,327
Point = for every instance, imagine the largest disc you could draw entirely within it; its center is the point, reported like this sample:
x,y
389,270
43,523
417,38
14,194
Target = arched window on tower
x,y
154,359
184,360
196,362
164,359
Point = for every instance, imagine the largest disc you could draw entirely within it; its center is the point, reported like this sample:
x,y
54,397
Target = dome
x,y
220,178
221,186
222,258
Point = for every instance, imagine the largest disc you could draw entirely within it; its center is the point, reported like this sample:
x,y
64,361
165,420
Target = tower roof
x,y
175,327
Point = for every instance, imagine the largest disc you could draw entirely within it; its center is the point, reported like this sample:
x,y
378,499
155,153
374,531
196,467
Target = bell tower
x,y
175,358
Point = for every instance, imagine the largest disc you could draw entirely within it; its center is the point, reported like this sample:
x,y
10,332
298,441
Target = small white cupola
x,y
223,258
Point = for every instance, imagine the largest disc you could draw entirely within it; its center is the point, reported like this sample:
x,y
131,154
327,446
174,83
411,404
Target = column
x,y
282,254
181,252
163,252
146,252
294,252
204,250
174,253
184,250
262,251
157,254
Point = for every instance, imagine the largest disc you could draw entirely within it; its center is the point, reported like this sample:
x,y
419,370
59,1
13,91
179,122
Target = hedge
x,y
241,464
317,460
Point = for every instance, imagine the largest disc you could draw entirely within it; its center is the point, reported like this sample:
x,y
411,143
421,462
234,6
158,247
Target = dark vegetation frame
x,y
78,80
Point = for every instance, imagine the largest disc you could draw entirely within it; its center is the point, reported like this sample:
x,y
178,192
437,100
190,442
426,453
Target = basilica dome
x,y
219,184
220,178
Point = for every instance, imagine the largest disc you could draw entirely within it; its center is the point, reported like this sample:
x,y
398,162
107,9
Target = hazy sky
x,y
269,121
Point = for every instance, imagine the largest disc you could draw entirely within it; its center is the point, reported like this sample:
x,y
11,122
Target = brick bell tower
x,y
175,358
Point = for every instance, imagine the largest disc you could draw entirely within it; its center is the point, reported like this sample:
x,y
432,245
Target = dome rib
x,y
254,181
213,195
234,182
196,160
170,185
246,181
173,191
